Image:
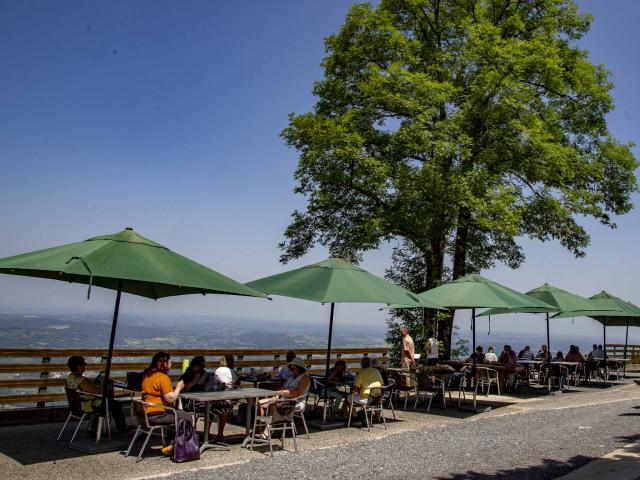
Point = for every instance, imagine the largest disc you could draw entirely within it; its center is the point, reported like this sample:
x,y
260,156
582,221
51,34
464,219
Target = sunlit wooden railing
x,y
31,377
617,350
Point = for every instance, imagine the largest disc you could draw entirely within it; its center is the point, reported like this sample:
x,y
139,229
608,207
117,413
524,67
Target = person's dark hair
x,y
290,355
573,349
365,362
75,362
599,347
197,361
527,347
479,348
340,362
595,347
559,355
158,364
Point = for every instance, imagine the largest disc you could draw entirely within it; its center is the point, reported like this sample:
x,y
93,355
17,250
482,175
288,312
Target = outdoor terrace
x,y
31,451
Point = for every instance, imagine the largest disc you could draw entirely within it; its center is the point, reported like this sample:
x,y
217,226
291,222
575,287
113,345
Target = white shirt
x,y
432,348
491,357
224,375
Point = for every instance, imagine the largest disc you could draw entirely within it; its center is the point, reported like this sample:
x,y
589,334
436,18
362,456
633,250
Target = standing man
x,y
408,350
432,349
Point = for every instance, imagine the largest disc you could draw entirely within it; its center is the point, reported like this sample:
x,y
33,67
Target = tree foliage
x,y
455,127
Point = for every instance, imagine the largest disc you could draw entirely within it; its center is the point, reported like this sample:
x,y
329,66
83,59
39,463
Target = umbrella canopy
x,y
145,267
554,296
125,262
337,281
474,291
605,308
631,312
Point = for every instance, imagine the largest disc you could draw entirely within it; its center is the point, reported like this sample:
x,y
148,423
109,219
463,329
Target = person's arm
x,y
169,393
194,381
88,386
303,387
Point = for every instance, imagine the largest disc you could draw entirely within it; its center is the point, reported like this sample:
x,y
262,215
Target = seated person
x,y
598,353
367,380
525,354
510,363
157,389
336,377
574,355
284,372
560,373
195,376
89,403
490,356
544,354
225,376
477,355
295,388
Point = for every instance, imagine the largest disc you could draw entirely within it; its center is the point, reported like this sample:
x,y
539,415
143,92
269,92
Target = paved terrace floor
x,y
523,437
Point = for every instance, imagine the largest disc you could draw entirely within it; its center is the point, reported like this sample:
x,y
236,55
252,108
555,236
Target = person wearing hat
x,y
90,403
298,385
295,387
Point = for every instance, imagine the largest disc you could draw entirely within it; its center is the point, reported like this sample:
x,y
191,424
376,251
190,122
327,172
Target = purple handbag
x,y
186,447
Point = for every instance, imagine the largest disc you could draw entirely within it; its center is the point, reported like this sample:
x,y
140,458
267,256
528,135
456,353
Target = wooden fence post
x,y
43,375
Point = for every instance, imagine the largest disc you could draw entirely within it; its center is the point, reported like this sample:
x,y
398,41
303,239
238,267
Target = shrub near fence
x,y
31,377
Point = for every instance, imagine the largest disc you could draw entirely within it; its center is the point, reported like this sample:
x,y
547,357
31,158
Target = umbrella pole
x,y
473,353
114,323
548,359
326,370
626,345
604,347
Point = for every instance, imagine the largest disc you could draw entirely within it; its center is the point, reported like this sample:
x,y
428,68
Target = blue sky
x,y
166,116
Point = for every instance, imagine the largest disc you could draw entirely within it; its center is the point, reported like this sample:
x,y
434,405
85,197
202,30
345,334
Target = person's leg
x,y
118,415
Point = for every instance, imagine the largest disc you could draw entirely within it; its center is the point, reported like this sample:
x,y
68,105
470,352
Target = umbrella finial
x,y
129,228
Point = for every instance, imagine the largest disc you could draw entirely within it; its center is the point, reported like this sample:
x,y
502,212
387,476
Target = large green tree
x,y
454,127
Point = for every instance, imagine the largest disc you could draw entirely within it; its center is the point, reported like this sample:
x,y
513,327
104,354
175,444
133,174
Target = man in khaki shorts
x,y
408,349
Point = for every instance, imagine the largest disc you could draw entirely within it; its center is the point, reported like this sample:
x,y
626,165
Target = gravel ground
x,y
540,444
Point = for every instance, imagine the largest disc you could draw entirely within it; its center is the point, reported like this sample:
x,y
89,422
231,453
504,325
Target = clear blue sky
x,y
165,116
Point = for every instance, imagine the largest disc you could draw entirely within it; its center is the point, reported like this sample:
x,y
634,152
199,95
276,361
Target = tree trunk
x,y
459,270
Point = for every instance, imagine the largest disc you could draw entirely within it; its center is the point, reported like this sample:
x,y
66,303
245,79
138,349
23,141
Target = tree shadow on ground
x,y
548,469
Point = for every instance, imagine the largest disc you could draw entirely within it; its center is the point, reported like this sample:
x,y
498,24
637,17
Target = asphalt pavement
x,y
535,444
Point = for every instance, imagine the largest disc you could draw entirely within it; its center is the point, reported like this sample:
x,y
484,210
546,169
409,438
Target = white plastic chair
x,y
486,377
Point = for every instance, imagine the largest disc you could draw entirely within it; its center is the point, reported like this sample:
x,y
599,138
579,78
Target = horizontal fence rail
x,y
617,350
31,377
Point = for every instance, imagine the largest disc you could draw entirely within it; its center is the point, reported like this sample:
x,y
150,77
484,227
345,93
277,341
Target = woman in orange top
x,y
157,389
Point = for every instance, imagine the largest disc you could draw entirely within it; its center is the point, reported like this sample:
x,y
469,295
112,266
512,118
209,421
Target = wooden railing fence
x,y
617,350
37,376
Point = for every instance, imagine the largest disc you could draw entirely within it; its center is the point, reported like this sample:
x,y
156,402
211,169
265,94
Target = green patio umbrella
x,y
125,262
474,291
336,281
554,296
617,313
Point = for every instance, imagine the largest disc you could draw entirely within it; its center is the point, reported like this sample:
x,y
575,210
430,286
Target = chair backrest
x,y
134,381
388,390
140,412
283,411
425,382
73,399
484,373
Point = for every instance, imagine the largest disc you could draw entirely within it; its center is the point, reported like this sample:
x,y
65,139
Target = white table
x,y
249,394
